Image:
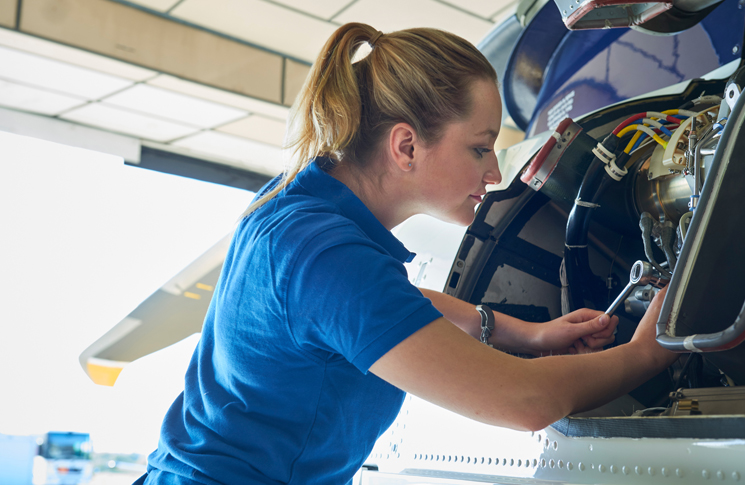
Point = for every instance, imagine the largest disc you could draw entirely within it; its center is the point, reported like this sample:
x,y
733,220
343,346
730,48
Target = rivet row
x,y
638,470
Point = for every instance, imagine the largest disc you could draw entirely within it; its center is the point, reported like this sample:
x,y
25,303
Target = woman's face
x,y
456,169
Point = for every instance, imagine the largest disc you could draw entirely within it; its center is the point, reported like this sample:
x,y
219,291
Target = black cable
x,y
687,364
577,264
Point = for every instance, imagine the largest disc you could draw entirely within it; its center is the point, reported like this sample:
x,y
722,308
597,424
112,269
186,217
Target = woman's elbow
x,y
528,418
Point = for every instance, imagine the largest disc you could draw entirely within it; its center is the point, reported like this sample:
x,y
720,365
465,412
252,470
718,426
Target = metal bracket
x,y
732,95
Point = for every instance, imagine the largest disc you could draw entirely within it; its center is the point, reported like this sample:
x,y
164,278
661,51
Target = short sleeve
x,y
349,296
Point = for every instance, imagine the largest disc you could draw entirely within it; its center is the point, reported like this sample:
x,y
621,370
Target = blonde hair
x,y
416,76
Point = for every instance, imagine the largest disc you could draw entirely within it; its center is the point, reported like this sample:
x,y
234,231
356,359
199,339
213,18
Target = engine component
x,y
647,225
639,301
707,253
667,180
707,401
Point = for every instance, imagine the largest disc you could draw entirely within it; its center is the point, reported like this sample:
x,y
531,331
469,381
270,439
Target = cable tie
x,y
603,154
582,203
615,173
575,247
556,136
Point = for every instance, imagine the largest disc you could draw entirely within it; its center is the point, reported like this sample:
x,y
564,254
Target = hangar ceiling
x,y
210,79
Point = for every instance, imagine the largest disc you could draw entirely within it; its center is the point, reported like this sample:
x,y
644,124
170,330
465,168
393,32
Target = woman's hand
x,y
646,332
582,331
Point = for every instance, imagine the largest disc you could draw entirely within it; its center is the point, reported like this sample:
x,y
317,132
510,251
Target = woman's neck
x,y
378,190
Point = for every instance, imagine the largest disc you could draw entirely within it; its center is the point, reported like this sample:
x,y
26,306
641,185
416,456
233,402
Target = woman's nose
x,y
493,175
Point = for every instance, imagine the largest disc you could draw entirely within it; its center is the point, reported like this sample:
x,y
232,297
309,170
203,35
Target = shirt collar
x,y
324,186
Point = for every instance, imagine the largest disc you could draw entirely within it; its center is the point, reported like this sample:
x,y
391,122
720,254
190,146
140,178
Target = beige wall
x,y
8,13
295,74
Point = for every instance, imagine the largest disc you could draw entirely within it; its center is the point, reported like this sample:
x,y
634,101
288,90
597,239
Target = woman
x,y
314,332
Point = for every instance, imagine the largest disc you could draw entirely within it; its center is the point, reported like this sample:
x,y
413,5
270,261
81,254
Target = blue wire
x,y
664,130
638,142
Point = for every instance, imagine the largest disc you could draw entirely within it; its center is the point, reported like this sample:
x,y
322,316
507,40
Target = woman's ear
x,y
401,146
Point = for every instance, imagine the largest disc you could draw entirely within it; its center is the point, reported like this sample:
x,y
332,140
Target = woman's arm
x,y
443,365
578,329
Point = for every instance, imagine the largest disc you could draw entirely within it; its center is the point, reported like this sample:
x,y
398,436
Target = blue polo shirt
x,y
312,293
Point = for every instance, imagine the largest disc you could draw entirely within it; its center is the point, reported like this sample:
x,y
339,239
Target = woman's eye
x,y
480,151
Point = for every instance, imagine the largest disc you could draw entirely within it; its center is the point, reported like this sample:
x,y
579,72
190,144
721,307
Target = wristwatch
x,y
487,323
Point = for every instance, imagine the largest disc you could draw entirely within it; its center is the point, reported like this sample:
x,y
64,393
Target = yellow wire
x,y
626,130
651,133
632,142
640,129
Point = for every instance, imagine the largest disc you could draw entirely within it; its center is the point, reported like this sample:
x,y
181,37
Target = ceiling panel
x,y
174,106
257,128
160,5
415,13
71,55
129,123
57,76
260,23
241,153
35,100
295,75
219,96
325,9
482,8
157,42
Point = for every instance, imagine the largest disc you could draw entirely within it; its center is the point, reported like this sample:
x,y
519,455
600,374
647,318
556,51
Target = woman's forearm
x,y
509,333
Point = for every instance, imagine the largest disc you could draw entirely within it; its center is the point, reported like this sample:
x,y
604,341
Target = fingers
x,y
598,343
582,315
580,348
608,330
601,325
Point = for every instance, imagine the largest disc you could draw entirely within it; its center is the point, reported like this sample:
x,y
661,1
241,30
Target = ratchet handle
x,y
620,298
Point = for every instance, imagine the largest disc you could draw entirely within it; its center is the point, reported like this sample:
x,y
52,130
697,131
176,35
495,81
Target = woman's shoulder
x,y
299,220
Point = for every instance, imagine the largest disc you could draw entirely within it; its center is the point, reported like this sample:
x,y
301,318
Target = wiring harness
x,y
610,165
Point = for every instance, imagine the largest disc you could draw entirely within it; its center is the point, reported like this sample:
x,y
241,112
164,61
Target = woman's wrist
x,y
511,334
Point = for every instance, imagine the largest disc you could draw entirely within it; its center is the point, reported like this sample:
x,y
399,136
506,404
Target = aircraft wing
x,y
172,313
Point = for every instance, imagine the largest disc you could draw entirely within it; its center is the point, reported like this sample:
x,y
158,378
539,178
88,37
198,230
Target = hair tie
x,y
374,38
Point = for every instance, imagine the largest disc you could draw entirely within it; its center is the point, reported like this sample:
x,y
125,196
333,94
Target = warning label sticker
x,y
560,110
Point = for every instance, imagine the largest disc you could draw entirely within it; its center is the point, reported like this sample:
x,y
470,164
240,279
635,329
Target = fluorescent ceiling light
x,y
416,13
482,8
35,100
57,76
219,96
162,5
325,9
174,106
238,152
127,122
256,21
